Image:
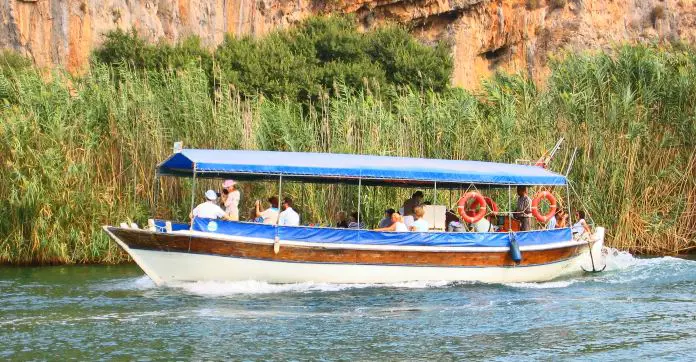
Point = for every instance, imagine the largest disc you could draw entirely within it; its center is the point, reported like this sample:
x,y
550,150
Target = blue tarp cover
x,y
300,165
368,237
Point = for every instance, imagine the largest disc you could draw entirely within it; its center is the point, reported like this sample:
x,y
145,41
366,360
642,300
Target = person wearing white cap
x,y
231,200
209,209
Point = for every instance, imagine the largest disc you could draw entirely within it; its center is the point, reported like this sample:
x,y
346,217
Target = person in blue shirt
x,y
270,215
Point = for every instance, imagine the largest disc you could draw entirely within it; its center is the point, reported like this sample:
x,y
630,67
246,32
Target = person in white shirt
x,y
396,224
580,227
270,215
551,224
231,199
209,209
482,226
288,217
420,224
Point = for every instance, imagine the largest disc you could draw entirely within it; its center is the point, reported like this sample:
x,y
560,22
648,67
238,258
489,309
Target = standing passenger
x,y
415,200
232,199
523,212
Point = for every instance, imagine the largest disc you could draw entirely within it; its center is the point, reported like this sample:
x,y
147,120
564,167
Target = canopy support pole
x,y
435,194
193,200
280,196
510,208
155,195
359,199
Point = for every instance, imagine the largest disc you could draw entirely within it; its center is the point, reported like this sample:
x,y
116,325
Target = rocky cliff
x,y
485,35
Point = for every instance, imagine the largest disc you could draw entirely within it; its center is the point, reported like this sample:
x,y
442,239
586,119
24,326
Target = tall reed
x,y
79,152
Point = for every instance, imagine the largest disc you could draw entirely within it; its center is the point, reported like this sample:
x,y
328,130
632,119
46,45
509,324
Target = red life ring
x,y
462,206
471,211
535,206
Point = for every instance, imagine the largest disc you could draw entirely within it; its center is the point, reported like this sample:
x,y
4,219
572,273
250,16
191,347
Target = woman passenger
x,y
580,227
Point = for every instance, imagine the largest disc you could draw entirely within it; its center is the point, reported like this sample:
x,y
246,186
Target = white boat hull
x,y
166,267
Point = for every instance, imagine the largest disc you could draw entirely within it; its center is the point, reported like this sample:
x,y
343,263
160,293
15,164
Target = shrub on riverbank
x,y
302,63
79,152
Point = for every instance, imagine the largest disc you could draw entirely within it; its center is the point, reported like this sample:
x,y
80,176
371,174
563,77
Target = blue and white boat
x,y
207,250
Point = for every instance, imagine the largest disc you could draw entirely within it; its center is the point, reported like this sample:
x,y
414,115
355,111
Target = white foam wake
x,y
212,288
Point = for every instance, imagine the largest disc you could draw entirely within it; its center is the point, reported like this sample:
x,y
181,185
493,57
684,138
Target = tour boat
x,y
218,250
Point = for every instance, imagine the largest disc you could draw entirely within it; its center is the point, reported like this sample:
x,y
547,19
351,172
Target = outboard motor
x,y
515,252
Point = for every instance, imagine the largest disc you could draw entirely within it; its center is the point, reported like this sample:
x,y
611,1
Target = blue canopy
x,y
348,168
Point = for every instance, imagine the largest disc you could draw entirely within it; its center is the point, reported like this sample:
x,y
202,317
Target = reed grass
x,y
79,152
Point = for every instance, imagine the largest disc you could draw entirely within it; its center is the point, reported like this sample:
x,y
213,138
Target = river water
x,y
638,309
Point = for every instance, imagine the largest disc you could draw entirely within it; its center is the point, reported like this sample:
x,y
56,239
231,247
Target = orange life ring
x,y
463,203
489,202
535,206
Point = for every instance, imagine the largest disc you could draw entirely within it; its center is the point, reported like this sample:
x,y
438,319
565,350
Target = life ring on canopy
x,y
535,206
489,203
463,203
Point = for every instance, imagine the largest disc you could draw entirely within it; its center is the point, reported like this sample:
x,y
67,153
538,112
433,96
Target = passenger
x,y
387,221
209,209
420,224
453,222
353,224
231,200
341,221
580,227
552,223
415,200
270,215
561,219
482,226
396,224
523,212
288,217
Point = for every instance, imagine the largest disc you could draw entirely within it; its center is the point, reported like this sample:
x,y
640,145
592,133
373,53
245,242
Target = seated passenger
x,y
552,223
209,209
420,224
453,223
341,221
396,224
270,215
353,224
482,226
387,221
580,227
561,219
288,217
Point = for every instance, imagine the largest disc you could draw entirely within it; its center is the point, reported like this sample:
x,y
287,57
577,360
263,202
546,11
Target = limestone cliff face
x,y
514,35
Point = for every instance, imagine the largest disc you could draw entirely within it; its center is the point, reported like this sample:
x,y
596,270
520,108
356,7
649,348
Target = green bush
x,y
127,48
303,62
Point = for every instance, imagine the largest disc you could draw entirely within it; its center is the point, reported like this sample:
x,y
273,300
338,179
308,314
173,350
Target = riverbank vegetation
x,y
78,152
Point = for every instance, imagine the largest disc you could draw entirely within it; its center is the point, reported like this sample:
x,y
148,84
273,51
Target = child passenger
x,y
420,224
397,224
